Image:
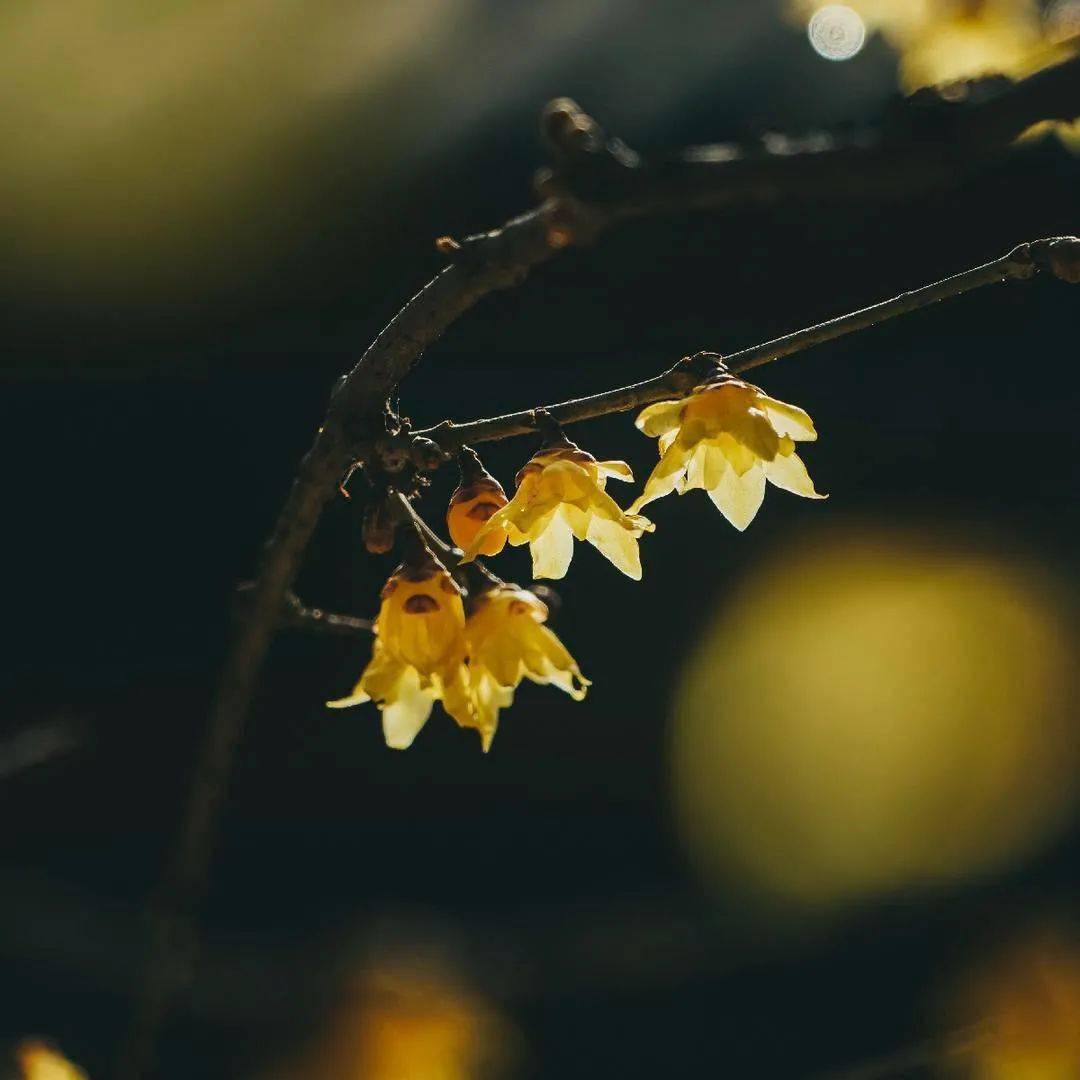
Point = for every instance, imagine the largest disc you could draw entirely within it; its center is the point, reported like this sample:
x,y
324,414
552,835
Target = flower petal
x,y
788,420
618,544
403,717
753,429
787,471
665,477
659,419
453,688
739,456
739,498
617,469
553,549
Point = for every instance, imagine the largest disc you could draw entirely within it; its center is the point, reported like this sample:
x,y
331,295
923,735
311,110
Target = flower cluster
x,y
428,649
470,648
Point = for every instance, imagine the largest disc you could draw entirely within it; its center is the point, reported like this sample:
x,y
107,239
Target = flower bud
x,y
477,498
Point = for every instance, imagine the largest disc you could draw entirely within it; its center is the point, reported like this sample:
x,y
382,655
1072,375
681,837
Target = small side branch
x,y
1060,255
299,616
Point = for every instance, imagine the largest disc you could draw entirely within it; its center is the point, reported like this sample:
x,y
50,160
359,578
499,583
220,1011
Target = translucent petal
x,y
358,697
378,681
789,472
565,481
665,477
617,469
716,464
577,518
453,687
695,470
739,456
403,717
553,549
617,543
788,420
754,431
659,419
739,498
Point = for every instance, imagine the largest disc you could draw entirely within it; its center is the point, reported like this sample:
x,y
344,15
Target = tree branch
x,y
1019,264
595,184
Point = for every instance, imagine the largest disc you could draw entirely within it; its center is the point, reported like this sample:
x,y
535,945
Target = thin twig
x,y
299,616
594,186
1020,263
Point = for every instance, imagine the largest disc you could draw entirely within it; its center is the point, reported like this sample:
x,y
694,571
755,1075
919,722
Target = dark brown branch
x,y
596,184
1058,254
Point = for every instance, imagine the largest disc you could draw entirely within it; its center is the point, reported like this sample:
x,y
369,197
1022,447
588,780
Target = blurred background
x,y
820,805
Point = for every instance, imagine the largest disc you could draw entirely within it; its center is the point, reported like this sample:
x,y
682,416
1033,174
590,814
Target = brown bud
x,y
378,528
426,454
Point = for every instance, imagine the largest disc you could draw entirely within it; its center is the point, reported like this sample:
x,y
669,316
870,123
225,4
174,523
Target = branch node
x,y
693,370
1060,255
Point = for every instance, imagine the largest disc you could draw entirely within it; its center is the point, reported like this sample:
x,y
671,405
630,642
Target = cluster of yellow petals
x,y
727,437
426,650
507,641
561,496
419,654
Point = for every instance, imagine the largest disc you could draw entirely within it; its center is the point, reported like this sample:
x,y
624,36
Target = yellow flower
x,y
560,495
507,642
727,437
419,653
477,498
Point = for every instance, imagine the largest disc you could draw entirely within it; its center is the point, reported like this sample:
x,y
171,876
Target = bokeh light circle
x,y
836,32
875,713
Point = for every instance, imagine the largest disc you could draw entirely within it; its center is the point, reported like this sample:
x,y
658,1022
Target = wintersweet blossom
x,y
727,437
477,498
419,653
506,642
561,495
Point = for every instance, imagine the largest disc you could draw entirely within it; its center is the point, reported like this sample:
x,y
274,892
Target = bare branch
x,y
1020,263
596,183
299,616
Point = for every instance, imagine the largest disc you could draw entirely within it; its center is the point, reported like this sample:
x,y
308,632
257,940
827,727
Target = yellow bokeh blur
x,y
942,40
409,1021
874,712
133,131
1019,1014
39,1061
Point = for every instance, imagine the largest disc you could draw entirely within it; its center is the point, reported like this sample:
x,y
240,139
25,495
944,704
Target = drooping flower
x,y
561,495
419,653
477,498
727,437
507,641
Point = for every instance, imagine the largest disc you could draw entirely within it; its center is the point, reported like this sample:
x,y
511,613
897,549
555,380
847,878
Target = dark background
x,y
155,407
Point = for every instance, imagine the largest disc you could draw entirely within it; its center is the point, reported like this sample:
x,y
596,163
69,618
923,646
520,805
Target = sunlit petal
x,y
553,549
788,420
739,498
787,471
659,419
